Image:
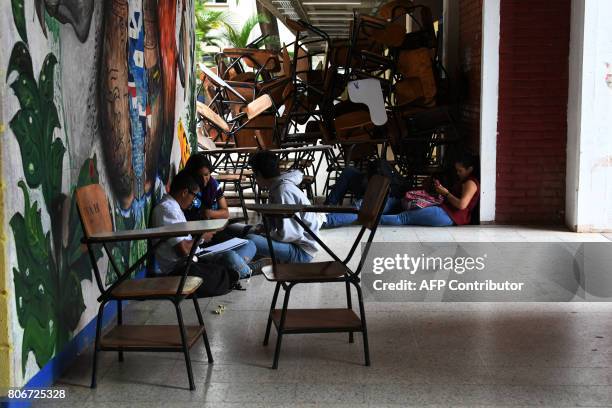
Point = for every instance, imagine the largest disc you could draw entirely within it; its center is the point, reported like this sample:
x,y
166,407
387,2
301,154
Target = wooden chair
x,y
294,321
94,212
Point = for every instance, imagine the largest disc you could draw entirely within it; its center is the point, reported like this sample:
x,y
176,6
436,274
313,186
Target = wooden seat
x,y
305,271
151,287
313,320
142,338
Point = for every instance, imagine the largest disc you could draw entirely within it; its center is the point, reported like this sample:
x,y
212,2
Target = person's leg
x,y
350,179
283,252
333,220
246,251
433,216
392,205
298,255
232,260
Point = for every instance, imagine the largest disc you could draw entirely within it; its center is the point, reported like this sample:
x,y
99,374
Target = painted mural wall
x,y
93,92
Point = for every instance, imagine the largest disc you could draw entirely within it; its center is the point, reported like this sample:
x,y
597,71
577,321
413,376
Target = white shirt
x,y
167,212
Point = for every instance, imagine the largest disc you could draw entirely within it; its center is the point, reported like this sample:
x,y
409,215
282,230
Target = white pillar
x,y
589,138
489,101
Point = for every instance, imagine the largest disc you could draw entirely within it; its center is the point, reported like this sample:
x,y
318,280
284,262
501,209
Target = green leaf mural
x,y
49,298
36,121
50,265
19,18
34,288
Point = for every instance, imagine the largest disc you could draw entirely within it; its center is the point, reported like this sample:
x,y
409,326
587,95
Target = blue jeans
x,y
392,205
430,216
236,259
351,180
284,252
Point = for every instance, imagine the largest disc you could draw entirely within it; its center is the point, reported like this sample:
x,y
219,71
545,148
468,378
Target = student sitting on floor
x,y
355,182
172,252
291,243
456,208
213,204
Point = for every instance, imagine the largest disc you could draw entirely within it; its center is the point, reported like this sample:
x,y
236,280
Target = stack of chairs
x,y
307,82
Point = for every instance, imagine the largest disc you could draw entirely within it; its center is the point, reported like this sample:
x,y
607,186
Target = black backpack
x,y
218,279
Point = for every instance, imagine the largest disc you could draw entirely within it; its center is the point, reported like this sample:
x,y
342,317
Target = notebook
x,y
224,246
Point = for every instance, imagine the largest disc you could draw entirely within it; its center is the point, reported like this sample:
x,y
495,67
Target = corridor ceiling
x,y
333,17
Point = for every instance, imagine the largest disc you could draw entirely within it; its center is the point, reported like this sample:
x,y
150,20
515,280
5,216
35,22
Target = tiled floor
x,y
423,354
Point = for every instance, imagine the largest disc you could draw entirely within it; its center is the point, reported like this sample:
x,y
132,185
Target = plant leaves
x,y
53,172
24,84
38,243
20,61
25,125
19,18
45,78
50,121
40,339
34,282
70,303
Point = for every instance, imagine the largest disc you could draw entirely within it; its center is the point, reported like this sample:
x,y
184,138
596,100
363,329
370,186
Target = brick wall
x,y
531,144
470,46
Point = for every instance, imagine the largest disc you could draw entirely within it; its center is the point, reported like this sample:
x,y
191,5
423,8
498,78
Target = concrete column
x,y
589,139
489,102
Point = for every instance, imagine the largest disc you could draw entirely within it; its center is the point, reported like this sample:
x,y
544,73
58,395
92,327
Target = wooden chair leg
x,y
366,347
281,327
272,306
179,316
97,344
349,305
204,334
119,323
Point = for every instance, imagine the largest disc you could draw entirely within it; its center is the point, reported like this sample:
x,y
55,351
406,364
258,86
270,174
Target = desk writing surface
x,y
230,150
281,209
312,148
174,230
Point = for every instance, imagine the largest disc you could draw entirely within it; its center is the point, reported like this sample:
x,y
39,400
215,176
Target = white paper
x,y
224,246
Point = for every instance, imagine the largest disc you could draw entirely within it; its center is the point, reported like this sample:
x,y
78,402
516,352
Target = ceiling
x,y
332,16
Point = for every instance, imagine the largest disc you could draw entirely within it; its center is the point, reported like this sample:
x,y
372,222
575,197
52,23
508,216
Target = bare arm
x,y
468,188
184,247
221,213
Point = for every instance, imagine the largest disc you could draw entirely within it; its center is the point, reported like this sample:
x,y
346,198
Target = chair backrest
x,y
94,209
373,200
212,116
258,106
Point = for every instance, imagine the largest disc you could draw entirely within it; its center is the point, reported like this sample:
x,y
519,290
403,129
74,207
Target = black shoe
x,y
257,266
238,286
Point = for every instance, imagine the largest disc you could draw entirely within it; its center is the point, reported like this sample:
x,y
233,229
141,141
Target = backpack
x,y
218,279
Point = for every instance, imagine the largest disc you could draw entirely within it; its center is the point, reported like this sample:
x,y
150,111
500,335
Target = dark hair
x,y
183,180
467,160
197,161
265,163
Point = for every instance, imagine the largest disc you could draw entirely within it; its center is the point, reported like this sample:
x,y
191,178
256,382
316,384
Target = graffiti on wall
x,y
139,61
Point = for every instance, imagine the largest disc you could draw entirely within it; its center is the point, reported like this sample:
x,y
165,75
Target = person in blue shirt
x,y
211,203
